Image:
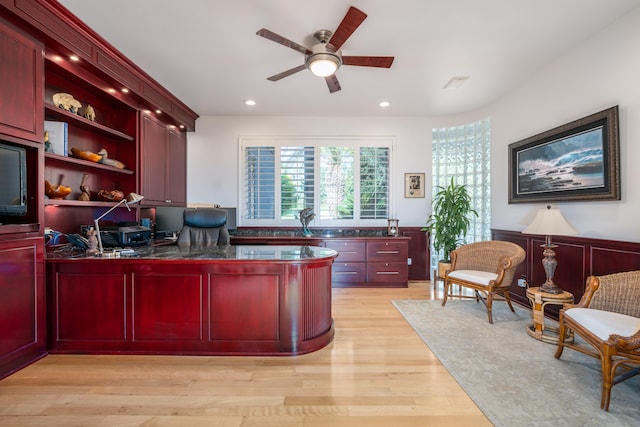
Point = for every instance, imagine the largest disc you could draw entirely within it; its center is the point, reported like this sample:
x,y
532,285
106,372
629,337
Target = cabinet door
x,y
22,336
349,272
388,251
177,168
153,161
348,250
387,272
21,86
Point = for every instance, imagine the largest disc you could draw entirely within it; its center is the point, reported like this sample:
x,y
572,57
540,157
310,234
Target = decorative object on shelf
x,y
85,155
67,102
58,192
85,194
306,216
550,222
450,219
414,185
576,161
132,198
90,113
58,135
392,227
47,144
105,160
93,241
110,196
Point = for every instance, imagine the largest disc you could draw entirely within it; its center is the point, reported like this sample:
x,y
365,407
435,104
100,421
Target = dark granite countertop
x,y
315,233
176,252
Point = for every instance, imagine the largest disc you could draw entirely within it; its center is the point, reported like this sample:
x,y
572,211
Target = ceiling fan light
x,y
323,64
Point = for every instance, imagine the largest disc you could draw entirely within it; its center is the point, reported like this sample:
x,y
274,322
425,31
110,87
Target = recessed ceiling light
x,y
384,104
125,90
74,58
250,102
456,82
158,112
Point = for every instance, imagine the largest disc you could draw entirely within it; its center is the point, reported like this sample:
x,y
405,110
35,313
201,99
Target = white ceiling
x,y
206,52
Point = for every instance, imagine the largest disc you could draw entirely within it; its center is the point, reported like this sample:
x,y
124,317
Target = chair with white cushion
x,y
608,318
487,267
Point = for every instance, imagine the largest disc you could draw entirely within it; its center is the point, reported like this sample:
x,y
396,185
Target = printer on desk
x,y
126,235
135,235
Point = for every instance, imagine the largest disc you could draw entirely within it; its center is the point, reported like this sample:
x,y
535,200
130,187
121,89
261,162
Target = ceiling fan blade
x,y
368,61
332,83
287,73
349,24
285,42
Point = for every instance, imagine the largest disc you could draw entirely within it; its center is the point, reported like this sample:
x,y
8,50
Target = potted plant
x,y
449,220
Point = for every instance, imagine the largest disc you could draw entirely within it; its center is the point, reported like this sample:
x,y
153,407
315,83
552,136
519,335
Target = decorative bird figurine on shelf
x,y
306,216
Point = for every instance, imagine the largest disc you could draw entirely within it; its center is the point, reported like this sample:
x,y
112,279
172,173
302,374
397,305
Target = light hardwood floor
x,y
376,372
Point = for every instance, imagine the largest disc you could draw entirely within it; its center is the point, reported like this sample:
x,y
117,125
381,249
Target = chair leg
x,y
607,380
489,306
508,298
446,292
562,331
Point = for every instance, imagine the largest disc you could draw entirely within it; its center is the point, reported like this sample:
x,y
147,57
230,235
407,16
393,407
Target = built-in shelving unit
x,y
64,115
46,50
114,130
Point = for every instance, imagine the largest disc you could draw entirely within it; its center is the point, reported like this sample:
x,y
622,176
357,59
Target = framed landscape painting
x,y
576,161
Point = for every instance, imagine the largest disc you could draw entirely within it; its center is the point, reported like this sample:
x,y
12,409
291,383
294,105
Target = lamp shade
x,y
550,222
134,198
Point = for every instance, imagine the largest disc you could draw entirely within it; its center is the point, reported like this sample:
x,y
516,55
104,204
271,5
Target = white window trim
x,y
288,140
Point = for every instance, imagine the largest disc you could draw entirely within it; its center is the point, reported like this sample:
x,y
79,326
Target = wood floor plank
x,y
376,372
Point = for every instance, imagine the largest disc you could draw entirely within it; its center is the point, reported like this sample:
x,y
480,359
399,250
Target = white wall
x,y
598,74
601,72
213,153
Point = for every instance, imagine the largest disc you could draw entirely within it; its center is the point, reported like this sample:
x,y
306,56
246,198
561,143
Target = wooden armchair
x,y
487,267
608,318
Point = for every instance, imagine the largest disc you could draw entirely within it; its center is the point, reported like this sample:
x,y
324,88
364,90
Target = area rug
x,y
513,378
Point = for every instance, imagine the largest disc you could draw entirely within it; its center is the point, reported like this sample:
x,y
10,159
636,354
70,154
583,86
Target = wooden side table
x,y
539,300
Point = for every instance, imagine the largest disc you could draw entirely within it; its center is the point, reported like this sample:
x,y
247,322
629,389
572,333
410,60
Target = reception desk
x,y
233,300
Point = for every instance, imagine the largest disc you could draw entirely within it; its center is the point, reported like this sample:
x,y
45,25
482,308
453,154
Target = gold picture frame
x,y
414,185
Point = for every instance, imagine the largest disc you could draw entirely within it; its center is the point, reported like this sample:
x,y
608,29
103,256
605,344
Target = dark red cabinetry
x,y
370,261
163,163
21,85
189,306
22,305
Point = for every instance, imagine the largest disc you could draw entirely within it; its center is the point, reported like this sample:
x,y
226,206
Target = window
x,y
345,181
464,152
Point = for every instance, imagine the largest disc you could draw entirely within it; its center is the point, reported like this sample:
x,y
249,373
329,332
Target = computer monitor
x,y
169,219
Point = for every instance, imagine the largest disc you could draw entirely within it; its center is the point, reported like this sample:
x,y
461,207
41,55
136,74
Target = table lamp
x,y
129,200
550,222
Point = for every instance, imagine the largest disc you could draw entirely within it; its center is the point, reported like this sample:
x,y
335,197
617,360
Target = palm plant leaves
x,y
450,219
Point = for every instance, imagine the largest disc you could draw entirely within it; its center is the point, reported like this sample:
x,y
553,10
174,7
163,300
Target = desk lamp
x,y
550,222
129,200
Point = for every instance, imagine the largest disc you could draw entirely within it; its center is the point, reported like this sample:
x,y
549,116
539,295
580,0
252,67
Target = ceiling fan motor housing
x,y
324,59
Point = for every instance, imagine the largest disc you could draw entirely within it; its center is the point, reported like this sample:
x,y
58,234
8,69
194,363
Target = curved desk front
x,y
234,300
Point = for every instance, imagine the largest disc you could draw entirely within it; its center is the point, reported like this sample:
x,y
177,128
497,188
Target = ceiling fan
x,y
325,57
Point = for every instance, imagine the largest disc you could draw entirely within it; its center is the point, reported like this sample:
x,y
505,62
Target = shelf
x,y
85,163
85,123
93,203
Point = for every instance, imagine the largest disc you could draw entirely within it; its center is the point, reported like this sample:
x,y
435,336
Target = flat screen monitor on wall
x,y
13,180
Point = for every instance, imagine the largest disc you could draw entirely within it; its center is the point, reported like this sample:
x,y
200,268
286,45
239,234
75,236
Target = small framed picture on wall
x,y
414,185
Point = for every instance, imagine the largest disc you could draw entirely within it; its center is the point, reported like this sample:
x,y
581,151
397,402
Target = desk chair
x,y
204,227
